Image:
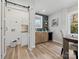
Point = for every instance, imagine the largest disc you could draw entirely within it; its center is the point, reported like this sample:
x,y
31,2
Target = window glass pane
x,y
74,23
38,21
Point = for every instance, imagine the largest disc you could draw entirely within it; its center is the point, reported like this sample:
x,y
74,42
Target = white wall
x,y
3,33
0,29
21,2
63,25
32,27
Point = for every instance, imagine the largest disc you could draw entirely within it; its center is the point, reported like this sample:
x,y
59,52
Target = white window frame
x,y
40,18
69,22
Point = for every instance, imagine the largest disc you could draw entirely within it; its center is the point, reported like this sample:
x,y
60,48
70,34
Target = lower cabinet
x,y
41,37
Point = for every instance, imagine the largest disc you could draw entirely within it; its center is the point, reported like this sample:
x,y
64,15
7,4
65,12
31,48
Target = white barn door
x,y
14,18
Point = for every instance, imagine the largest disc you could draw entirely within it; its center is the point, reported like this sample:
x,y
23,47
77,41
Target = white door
x,y
11,26
14,19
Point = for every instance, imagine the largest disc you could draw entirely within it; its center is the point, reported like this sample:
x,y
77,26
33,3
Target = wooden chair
x,y
73,46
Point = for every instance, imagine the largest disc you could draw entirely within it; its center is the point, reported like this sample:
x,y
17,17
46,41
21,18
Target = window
x,y
74,23
38,21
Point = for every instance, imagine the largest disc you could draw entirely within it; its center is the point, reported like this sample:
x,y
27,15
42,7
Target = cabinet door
x,y
45,36
38,37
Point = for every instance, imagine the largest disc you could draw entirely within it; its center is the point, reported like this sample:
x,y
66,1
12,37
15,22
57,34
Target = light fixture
x,y
43,10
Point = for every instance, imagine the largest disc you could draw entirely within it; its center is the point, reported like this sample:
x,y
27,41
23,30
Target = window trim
x,y
69,22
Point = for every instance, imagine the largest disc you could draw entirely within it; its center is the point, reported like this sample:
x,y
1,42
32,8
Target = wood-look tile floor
x,y
17,52
48,50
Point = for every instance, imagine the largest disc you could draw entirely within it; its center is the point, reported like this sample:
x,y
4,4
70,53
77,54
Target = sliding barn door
x,y
17,18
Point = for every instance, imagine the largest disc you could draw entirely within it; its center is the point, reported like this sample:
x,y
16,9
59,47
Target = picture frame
x,y
54,22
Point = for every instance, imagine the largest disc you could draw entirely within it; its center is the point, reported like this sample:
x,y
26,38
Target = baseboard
x,y
57,42
25,46
33,46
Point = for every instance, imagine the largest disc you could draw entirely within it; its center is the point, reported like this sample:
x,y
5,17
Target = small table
x,y
66,41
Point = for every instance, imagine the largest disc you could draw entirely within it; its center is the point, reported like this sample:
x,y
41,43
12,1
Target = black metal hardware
x,y
16,4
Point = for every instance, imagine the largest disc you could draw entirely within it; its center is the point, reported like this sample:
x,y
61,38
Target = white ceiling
x,y
48,7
